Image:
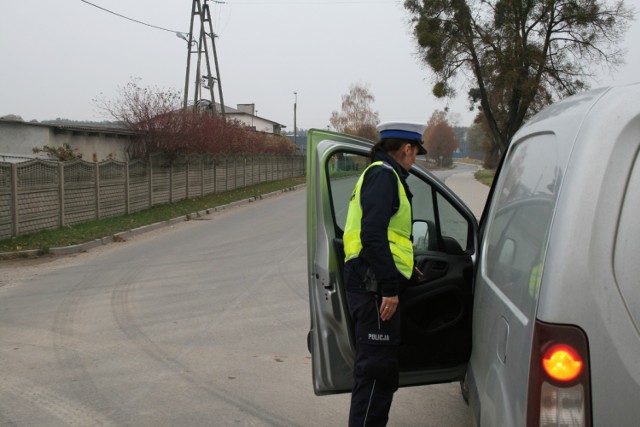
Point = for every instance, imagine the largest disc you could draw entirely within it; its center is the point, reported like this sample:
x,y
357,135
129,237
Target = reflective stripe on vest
x,y
398,233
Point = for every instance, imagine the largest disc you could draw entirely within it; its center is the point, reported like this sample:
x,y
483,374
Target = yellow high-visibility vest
x,y
398,233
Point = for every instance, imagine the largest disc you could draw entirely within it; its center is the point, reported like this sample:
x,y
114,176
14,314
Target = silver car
x,y
537,308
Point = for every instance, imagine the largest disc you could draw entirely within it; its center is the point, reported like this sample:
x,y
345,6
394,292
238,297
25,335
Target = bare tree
x,y
357,116
163,126
479,140
440,139
151,111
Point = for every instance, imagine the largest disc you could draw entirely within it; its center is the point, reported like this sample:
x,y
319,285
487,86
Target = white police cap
x,y
411,131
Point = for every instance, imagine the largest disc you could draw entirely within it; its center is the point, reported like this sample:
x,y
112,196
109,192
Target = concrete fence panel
x,y
209,171
79,192
194,176
179,179
139,178
161,180
39,201
113,194
222,176
41,194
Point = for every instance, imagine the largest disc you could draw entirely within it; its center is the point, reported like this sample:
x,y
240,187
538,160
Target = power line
x,y
326,3
244,2
131,19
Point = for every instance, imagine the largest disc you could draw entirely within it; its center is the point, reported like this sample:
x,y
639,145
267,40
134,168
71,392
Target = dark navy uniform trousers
x,y
376,364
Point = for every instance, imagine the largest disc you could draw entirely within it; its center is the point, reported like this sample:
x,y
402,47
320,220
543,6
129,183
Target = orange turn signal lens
x,y
562,362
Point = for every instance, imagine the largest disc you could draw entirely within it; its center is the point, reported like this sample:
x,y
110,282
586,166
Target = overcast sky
x,y
58,56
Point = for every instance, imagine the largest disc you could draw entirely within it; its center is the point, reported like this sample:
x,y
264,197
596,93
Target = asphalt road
x,y
203,323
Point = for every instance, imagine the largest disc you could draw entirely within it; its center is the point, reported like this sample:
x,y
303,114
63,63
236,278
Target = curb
x,y
124,235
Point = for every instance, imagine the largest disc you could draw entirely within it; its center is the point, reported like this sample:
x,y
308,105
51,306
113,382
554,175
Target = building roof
x,y
230,111
75,128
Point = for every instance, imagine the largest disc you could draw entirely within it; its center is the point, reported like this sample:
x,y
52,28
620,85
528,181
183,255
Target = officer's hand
x,y
388,307
416,277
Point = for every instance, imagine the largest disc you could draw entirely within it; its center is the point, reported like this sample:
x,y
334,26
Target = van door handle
x,y
503,337
330,284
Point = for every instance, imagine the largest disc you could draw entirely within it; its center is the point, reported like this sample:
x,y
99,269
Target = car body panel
x,y
596,137
587,230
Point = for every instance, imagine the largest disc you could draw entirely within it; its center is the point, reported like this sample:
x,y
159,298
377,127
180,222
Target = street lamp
x,y
295,128
191,43
182,36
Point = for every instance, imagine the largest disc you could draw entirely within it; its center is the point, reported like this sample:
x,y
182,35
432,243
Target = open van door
x,y
436,312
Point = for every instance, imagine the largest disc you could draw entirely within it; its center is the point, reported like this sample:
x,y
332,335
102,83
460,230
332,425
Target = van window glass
x,y
422,203
453,225
627,247
344,170
519,221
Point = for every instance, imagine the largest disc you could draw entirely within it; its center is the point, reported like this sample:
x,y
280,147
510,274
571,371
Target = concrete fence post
x,y
171,182
14,199
215,174
61,192
201,175
253,169
150,178
186,171
127,191
235,171
97,190
226,173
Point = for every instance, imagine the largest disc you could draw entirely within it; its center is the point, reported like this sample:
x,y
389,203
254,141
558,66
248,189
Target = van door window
x,y
626,266
344,171
520,221
454,229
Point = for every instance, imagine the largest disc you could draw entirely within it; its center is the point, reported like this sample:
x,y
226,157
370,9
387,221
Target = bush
x,y
165,127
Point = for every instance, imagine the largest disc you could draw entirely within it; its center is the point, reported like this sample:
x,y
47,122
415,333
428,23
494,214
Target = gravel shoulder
x,y
18,269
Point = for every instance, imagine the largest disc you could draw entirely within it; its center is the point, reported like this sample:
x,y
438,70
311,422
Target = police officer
x,y
379,264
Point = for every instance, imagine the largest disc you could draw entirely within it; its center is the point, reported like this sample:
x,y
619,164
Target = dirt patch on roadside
x,y
15,270
19,268
26,261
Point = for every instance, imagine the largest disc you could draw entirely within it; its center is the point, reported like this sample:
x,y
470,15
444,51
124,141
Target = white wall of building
x,y
18,139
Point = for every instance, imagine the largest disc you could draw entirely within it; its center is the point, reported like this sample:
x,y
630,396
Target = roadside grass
x,y
88,231
485,176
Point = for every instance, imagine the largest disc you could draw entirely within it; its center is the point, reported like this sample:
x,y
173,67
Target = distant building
x,y
19,138
247,114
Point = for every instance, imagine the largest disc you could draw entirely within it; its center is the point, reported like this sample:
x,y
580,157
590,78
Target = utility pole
x,y
295,127
202,12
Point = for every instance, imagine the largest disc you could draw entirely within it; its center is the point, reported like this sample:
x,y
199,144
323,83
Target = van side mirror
x,y
424,235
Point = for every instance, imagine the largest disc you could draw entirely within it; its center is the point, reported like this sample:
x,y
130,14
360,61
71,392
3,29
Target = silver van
x,y
537,308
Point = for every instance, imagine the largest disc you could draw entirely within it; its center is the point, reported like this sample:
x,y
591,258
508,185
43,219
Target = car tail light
x,y
559,378
562,362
